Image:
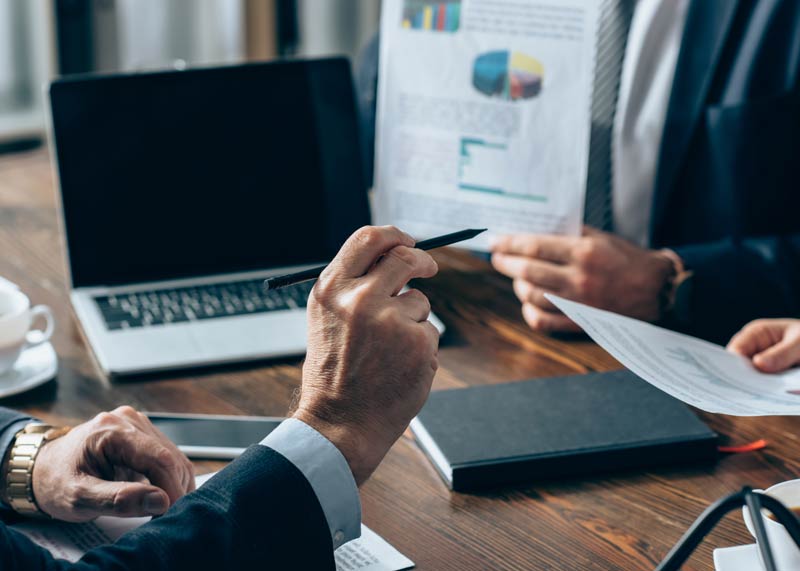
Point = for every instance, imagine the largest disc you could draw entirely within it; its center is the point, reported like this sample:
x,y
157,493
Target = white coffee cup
x,y
16,319
784,549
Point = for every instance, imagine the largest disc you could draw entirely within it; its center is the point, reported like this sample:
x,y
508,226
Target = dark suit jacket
x,y
727,194
258,513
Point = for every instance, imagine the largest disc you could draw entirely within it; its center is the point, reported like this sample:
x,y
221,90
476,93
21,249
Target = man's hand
x,y
117,464
598,269
372,354
772,344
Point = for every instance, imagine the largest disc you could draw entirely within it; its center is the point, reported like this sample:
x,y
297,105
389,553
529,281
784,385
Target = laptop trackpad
x,y
265,334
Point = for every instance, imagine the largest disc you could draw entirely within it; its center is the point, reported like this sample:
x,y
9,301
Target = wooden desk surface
x,y
624,521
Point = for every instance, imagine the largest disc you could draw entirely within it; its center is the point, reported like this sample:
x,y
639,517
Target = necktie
x,y
615,22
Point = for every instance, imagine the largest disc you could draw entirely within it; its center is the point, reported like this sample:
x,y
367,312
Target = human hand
x,y
372,354
772,344
598,269
116,464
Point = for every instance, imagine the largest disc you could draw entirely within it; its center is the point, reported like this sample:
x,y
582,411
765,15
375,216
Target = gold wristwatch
x,y
18,467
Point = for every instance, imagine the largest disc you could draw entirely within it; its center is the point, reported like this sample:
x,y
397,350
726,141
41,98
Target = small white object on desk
x,y
739,558
5,284
35,366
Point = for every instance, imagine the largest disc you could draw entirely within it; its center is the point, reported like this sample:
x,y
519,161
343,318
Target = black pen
x,y
313,273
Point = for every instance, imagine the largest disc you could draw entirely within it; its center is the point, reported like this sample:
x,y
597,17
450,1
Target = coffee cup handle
x,y
748,522
36,337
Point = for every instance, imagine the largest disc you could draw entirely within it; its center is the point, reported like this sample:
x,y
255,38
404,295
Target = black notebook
x,y
532,430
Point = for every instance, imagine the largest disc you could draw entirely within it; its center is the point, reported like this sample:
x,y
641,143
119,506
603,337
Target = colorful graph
x,y
443,16
507,74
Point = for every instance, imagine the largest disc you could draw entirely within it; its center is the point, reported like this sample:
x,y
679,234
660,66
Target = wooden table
x,y
622,521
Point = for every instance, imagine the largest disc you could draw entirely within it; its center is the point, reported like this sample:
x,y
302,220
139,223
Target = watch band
x,y
19,467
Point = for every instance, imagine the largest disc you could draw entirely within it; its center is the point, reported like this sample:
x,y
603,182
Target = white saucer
x,y
739,558
34,367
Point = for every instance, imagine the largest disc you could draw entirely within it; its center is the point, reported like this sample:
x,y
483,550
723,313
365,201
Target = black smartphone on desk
x,y
213,436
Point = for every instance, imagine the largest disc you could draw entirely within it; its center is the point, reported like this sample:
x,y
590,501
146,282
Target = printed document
x,y
697,372
484,113
71,540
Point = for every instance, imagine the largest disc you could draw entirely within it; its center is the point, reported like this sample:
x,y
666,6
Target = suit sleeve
x,y
11,422
9,419
258,513
736,281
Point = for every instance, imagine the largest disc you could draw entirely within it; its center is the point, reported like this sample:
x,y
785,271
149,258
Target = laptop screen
x,y
190,173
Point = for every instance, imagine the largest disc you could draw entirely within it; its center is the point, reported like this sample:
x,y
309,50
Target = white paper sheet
x,y
697,372
484,115
70,541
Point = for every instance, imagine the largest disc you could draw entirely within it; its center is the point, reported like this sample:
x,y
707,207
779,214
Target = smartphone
x,y
213,436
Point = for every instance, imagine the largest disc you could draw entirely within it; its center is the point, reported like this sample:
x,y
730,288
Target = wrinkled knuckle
x,y
390,318
358,305
322,292
367,237
103,438
120,501
420,297
165,459
106,419
127,411
404,255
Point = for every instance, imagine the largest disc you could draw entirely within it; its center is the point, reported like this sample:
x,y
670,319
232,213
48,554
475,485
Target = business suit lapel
x,y
707,25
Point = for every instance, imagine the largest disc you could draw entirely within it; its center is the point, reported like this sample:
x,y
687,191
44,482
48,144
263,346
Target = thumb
x,y
780,356
123,499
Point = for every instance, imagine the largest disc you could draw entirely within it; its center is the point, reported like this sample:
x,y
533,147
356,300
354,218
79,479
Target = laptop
x,y
181,191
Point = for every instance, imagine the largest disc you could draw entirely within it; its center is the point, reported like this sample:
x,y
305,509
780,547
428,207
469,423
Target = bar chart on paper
x,y
507,74
481,167
443,16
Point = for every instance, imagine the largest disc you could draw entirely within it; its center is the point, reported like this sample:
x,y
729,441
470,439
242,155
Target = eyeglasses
x,y
711,517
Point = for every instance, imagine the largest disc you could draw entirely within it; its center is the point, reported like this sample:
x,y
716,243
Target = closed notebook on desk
x,y
532,430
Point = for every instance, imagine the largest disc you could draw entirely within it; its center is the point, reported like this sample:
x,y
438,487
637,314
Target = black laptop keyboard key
x,y
177,305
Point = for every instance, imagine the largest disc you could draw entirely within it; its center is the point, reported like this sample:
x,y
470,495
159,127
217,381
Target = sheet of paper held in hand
x,y
484,115
70,541
697,372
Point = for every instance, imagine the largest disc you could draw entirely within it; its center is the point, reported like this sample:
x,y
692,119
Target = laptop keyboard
x,y
176,305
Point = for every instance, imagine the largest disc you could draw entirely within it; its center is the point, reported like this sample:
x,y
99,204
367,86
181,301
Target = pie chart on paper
x,y
507,74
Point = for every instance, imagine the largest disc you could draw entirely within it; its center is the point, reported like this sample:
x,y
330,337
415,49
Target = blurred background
x,y
40,39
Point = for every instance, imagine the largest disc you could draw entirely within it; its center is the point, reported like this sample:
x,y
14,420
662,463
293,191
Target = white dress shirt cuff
x,y
326,470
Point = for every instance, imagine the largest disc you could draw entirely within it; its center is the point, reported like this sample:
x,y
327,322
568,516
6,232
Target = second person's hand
x,y
772,344
598,269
